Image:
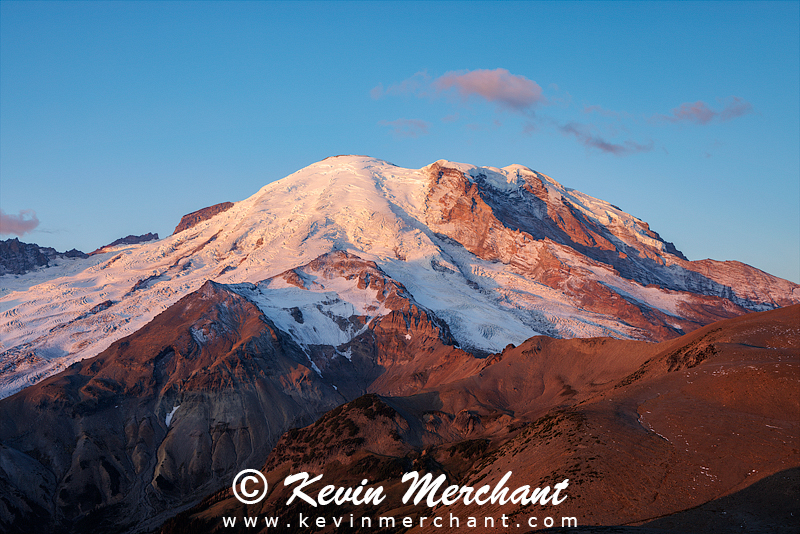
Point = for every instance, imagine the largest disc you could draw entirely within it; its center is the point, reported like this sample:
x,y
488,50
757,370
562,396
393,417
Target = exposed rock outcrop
x,y
551,235
512,223
191,219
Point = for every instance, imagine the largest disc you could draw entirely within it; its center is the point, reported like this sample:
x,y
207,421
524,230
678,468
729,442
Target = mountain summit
x,y
494,255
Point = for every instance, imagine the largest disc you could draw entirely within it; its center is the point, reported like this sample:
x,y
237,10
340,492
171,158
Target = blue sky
x,y
118,118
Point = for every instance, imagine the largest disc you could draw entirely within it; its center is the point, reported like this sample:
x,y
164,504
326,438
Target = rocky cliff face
x,y
191,219
361,329
506,217
17,257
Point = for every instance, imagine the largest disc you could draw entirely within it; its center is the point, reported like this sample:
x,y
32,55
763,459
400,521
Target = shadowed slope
x,y
641,432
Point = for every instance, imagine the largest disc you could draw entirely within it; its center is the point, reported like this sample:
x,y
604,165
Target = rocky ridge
x,y
679,435
18,258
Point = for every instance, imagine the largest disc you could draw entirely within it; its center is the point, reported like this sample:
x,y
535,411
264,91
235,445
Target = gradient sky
x,y
118,118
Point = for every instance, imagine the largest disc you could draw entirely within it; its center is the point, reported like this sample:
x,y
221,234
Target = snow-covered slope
x,y
499,254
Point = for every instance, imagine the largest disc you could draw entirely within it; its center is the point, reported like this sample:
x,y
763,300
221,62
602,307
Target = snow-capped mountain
x,y
495,255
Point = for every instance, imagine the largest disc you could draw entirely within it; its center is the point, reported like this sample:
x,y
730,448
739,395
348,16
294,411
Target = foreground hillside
x,y
698,434
642,431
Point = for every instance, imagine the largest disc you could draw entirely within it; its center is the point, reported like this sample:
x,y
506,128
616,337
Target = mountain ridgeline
x,y
499,255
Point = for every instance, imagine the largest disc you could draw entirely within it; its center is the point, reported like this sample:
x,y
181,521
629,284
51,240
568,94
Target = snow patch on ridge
x,y
329,312
168,418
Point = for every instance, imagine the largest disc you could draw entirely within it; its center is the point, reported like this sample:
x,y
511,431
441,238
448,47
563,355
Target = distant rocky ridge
x,y
127,240
191,219
17,257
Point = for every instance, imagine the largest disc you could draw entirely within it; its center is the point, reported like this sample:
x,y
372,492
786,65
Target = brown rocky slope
x,y
678,436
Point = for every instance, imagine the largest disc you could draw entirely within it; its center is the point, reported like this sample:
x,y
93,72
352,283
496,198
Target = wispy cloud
x,y
511,91
529,128
593,126
700,113
18,225
407,127
736,107
583,133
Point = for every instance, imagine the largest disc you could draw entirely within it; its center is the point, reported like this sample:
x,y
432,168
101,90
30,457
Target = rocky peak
x,y
192,219
127,240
